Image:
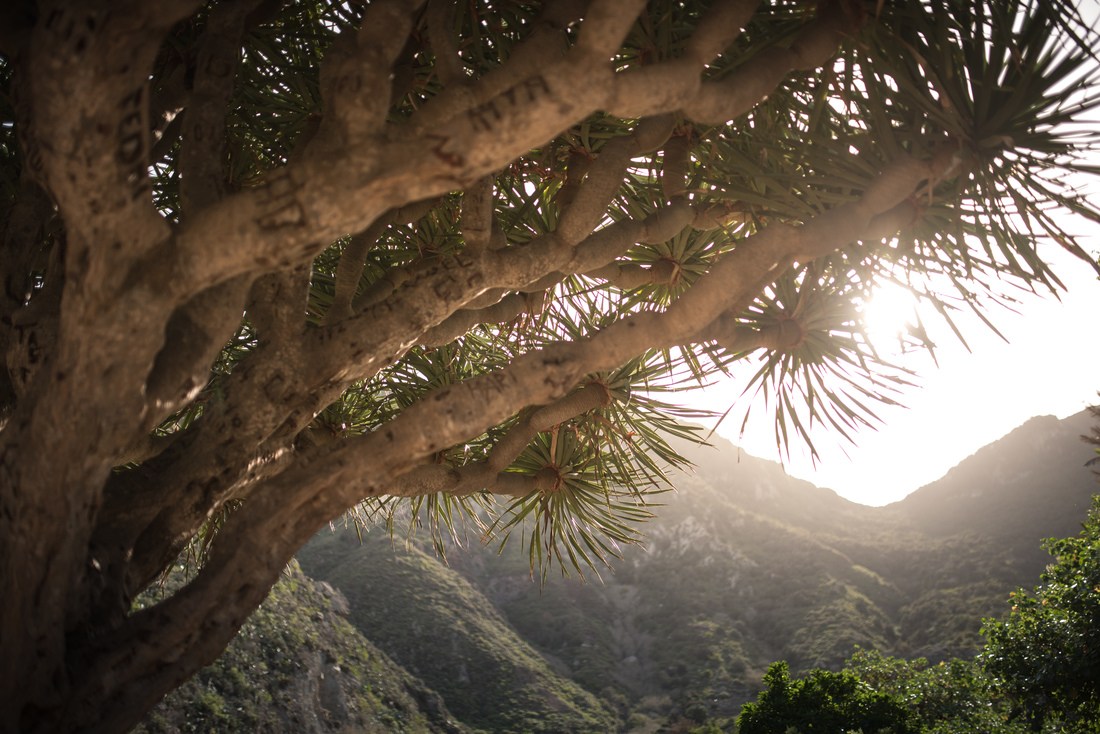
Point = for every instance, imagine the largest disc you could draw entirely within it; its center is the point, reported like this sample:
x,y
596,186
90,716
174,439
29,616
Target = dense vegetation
x,y
877,694
821,703
1045,654
443,631
299,667
682,632
1039,670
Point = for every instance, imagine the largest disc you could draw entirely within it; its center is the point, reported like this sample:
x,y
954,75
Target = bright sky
x,y
1051,366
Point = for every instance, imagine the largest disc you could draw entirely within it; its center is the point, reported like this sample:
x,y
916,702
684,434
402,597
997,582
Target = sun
x,y
888,316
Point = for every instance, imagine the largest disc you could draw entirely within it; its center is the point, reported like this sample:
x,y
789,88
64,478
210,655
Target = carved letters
x,y
133,141
74,29
277,203
484,117
439,148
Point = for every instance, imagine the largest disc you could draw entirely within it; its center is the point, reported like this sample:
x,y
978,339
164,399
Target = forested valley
x,y
743,566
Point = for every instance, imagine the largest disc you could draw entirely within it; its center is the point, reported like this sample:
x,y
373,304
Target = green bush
x,y
1046,653
826,702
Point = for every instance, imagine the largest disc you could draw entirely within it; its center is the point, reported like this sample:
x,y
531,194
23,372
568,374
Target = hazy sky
x,y
1051,366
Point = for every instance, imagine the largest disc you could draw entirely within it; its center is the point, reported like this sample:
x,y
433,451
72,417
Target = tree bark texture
x,y
117,305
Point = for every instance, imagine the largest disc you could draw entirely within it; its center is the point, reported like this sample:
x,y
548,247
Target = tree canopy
x,y
823,701
268,262
1046,653
1039,670
876,694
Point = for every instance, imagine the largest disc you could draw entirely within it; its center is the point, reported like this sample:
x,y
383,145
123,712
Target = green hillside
x,y
742,566
441,629
298,667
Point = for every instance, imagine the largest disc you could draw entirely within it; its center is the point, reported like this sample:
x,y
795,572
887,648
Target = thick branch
x,y
469,408
277,306
350,270
606,23
305,205
202,153
575,171
615,239
199,473
675,165
355,77
718,28
677,85
382,333
198,330
545,45
506,309
489,475
354,258
193,339
83,126
628,276
477,215
257,540
603,178
441,282
737,338
742,90
448,65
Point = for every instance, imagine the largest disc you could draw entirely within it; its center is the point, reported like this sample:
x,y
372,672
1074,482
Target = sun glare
x,y
888,316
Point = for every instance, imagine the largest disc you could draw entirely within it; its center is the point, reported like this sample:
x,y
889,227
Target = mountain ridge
x,y
1000,476
743,565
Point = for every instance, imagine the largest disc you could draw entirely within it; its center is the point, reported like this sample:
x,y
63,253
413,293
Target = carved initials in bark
x,y
278,203
75,30
133,141
484,117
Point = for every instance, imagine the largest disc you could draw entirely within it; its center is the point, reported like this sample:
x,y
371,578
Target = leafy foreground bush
x,y
823,701
1046,654
1039,670
875,694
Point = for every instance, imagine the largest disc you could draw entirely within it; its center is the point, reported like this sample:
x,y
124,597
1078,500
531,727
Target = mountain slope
x,y
439,627
997,491
718,593
742,566
745,565
298,667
